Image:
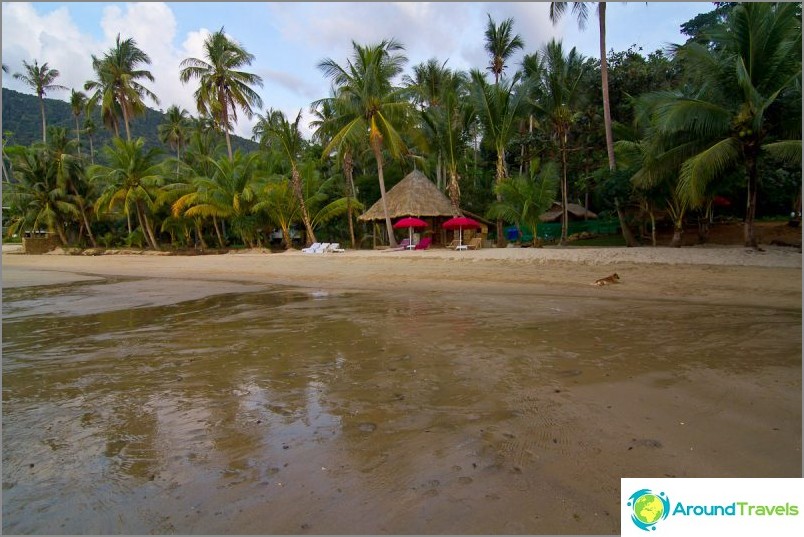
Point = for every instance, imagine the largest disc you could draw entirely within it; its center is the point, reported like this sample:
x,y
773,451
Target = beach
x,y
488,391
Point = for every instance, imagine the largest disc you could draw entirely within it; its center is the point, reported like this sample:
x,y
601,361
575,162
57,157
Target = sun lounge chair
x,y
453,244
335,247
424,243
312,248
323,248
475,244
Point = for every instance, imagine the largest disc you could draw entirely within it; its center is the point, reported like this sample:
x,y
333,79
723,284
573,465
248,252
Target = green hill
x,y
22,123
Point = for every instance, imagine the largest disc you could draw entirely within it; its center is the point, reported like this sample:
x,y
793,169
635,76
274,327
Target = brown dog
x,y
614,278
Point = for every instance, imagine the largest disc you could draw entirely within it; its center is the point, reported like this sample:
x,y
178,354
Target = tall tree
x,y
560,91
132,180
288,139
41,80
78,102
370,104
750,90
175,130
581,11
501,44
223,88
117,83
498,107
325,125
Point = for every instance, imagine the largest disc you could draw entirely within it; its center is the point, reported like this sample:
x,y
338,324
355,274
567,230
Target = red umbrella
x,y
410,223
460,222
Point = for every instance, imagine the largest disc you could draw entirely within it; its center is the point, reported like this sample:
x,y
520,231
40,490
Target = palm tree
x,y
581,11
90,129
287,137
229,193
78,102
279,203
325,126
750,76
500,45
497,108
116,84
40,79
37,198
223,88
131,180
558,105
524,198
70,174
369,104
174,131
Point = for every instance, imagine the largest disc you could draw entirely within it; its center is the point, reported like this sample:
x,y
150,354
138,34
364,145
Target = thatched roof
x,y
415,195
574,211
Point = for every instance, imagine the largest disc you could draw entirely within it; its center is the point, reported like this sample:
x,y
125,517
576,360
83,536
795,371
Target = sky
x,y
289,39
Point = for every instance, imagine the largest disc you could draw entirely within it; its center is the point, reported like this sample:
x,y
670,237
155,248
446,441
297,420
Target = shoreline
x,y
712,274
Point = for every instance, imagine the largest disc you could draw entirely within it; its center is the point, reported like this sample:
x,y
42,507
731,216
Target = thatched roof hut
x,y
415,195
574,212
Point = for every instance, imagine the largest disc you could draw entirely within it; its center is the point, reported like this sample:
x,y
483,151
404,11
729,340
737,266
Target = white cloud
x,y
52,38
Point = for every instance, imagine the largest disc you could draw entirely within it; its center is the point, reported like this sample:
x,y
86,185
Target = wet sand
x,y
406,392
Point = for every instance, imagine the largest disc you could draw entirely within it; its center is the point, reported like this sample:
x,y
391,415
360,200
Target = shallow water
x,y
279,410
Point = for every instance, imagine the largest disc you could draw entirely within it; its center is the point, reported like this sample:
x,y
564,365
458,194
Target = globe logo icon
x,y
648,508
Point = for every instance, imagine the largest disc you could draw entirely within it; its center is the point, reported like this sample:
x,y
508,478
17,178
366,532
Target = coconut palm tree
x,y
558,105
288,139
116,84
174,131
325,126
750,83
40,79
581,11
498,107
280,205
500,45
370,105
90,129
524,198
36,197
132,180
70,174
223,88
78,102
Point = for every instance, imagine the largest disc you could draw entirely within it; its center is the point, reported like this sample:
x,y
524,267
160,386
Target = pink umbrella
x,y
410,222
460,222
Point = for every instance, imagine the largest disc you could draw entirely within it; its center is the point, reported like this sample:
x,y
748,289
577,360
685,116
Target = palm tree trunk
x,y
454,191
86,225
42,109
225,123
78,136
564,224
91,151
630,241
347,171
146,226
378,157
218,231
125,118
500,175
604,75
297,189
749,232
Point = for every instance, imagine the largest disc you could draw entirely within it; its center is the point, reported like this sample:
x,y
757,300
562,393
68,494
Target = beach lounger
x,y
323,248
475,244
453,244
424,243
312,248
335,247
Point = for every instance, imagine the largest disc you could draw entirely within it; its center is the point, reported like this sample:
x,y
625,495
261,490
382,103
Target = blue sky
x,y
289,39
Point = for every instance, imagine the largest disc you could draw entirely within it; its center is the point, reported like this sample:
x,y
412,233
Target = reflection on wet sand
x,y
276,410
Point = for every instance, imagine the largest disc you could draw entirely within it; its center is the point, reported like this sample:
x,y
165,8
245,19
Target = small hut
x,y
574,212
415,195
